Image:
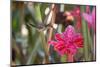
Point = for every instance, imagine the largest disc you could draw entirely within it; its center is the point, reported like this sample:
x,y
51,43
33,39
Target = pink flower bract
x,y
76,12
90,18
68,42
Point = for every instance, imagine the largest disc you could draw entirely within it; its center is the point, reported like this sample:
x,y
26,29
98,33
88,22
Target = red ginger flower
x,y
68,42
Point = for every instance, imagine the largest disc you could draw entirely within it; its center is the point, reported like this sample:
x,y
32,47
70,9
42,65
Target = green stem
x,y
33,53
38,18
63,58
40,37
37,13
90,46
85,35
45,47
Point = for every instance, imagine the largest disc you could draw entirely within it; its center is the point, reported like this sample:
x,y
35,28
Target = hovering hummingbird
x,y
46,24
64,18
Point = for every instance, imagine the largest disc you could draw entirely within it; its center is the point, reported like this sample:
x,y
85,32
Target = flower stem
x,y
37,14
51,29
85,35
70,58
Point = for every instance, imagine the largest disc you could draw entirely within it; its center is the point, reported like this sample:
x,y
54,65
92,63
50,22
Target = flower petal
x,y
88,18
58,37
71,49
93,13
94,17
78,40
